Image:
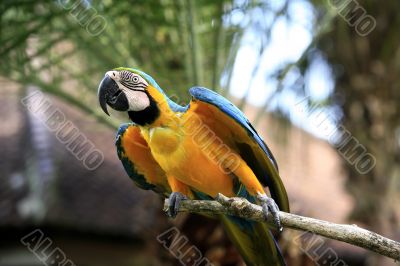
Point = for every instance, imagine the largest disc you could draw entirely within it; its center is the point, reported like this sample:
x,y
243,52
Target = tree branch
x,y
240,207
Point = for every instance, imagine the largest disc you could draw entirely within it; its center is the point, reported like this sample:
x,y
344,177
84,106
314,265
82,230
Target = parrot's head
x,y
130,90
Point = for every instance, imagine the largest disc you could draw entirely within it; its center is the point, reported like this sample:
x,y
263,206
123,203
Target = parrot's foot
x,y
174,201
269,205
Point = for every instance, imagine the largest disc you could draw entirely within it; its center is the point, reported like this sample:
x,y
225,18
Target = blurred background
x,y
319,80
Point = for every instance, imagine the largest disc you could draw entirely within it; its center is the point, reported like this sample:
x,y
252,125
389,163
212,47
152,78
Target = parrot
x,y
196,152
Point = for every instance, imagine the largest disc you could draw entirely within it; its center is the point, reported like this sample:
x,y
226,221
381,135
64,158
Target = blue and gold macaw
x,y
197,151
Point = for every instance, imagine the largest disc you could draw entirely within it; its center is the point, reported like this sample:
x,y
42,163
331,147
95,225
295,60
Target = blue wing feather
x,y
266,171
211,97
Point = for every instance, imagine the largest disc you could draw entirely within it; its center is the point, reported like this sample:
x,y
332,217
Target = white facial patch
x,y
138,100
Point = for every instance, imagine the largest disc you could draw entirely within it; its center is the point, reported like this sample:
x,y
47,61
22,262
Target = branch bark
x,y
240,207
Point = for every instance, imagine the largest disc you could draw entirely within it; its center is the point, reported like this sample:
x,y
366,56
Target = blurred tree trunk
x,y
368,84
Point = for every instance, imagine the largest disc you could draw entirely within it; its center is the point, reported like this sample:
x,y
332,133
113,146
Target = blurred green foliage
x,y
56,46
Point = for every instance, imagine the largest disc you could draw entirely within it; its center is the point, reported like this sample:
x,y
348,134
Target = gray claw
x,y
268,204
174,202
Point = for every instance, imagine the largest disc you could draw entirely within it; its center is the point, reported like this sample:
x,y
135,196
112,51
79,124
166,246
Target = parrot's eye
x,y
135,79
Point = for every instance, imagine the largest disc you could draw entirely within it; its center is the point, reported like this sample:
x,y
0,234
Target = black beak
x,y
110,94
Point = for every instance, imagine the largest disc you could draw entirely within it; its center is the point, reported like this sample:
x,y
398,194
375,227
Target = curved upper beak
x,y
109,93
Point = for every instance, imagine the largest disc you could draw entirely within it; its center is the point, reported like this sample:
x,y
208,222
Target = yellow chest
x,y
162,140
169,148
178,150
180,155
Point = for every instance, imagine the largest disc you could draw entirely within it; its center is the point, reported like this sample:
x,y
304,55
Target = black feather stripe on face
x,y
131,81
133,86
126,75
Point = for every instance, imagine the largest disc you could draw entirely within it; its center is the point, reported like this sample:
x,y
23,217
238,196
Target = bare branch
x,y
240,207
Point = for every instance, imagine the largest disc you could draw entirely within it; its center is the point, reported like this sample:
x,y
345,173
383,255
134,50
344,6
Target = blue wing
x,y
251,147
